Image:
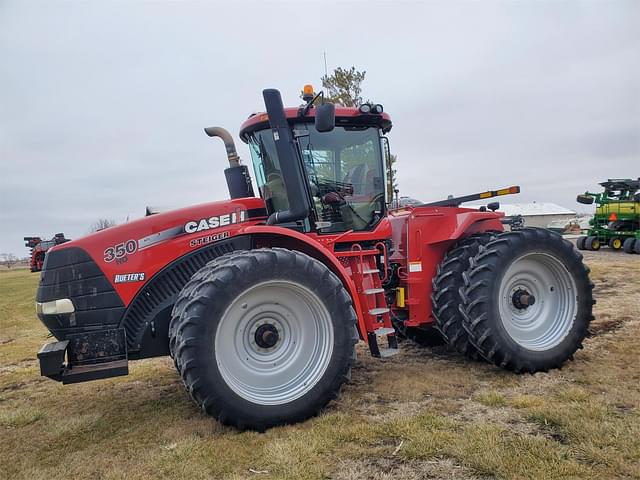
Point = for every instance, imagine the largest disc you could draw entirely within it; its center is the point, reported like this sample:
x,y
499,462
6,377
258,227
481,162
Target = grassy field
x,y
426,413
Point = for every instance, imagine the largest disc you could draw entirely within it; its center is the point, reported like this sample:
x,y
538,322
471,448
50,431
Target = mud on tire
x,y
251,316
527,300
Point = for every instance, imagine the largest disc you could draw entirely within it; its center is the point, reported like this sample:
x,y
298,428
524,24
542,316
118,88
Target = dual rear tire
x,y
631,245
446,297
592,243
525,300
588,243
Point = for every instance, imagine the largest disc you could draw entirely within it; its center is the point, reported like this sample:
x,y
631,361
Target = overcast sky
x,y
102,103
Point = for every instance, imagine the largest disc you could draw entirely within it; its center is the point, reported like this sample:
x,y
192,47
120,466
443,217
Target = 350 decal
x,y
120,250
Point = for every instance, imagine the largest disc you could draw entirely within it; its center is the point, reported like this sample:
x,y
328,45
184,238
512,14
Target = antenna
x,y
325,64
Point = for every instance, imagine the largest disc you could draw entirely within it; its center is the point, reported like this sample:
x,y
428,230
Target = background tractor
x,y
616,222
38,249
261,301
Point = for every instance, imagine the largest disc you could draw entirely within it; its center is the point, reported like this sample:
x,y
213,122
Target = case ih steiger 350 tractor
x,y
261,300
616,222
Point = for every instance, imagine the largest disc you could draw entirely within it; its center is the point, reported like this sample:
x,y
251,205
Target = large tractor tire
x,y
263,337
628,245
527,300
446,292
580,243
615,243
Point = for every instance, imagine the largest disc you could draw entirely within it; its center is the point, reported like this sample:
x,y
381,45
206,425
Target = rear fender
x,y
451,224
273,236
431,231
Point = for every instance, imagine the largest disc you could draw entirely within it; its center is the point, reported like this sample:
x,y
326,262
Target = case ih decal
x,y
215,222
120,251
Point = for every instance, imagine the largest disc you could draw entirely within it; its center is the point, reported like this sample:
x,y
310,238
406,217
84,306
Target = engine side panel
x,y
147,260
129,255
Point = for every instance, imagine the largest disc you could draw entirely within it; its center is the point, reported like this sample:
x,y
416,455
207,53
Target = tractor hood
x,y
130,254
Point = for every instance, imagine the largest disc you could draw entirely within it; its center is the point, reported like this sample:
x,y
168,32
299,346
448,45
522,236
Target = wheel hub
x,y
266,335
274,342
537,301
522,299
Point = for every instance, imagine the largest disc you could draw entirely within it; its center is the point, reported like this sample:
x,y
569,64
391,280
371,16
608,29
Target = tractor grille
x,y
71,273
160,293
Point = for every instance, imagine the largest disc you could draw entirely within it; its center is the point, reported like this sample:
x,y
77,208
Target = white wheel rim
x,y
293,365
544,324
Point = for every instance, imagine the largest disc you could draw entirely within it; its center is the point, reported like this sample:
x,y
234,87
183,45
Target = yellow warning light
x,y
508,191
307,93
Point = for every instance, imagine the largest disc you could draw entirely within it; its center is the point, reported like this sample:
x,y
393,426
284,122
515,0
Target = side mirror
x,y
585,199
325,117
493,206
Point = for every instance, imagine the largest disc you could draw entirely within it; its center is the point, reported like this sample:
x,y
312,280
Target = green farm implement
x,y
616,223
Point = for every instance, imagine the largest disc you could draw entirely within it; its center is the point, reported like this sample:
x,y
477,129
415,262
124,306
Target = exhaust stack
x,y
232,155
292,173
237,175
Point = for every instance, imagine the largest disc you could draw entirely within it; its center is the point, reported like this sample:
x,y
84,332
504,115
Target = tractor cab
x,y
338,156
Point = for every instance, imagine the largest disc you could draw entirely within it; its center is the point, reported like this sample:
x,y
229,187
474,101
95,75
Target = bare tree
x,y
102,223
344,86
8,259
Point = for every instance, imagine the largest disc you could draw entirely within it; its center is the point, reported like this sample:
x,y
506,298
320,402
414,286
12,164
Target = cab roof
x,y
345,116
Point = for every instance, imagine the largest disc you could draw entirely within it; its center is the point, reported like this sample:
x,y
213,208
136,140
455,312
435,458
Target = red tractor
x,y
38,249
261,301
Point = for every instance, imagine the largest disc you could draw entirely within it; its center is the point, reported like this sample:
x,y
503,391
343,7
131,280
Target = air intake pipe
x,y
290,165
237,175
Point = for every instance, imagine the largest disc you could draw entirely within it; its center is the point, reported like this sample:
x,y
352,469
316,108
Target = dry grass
x,y
425,413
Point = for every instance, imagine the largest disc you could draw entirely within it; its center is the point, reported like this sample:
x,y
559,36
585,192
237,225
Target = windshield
x,y
344,169
346,176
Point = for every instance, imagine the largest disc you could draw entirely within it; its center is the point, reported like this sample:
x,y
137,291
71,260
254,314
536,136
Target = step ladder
x,y
377,316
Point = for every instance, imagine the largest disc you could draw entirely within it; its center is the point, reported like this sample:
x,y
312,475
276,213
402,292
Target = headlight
x,y
55,307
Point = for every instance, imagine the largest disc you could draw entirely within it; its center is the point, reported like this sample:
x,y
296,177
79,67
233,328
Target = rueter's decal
x,y
128,277
195,226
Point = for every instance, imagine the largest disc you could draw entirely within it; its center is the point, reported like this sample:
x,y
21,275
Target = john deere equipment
x,y
616,222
